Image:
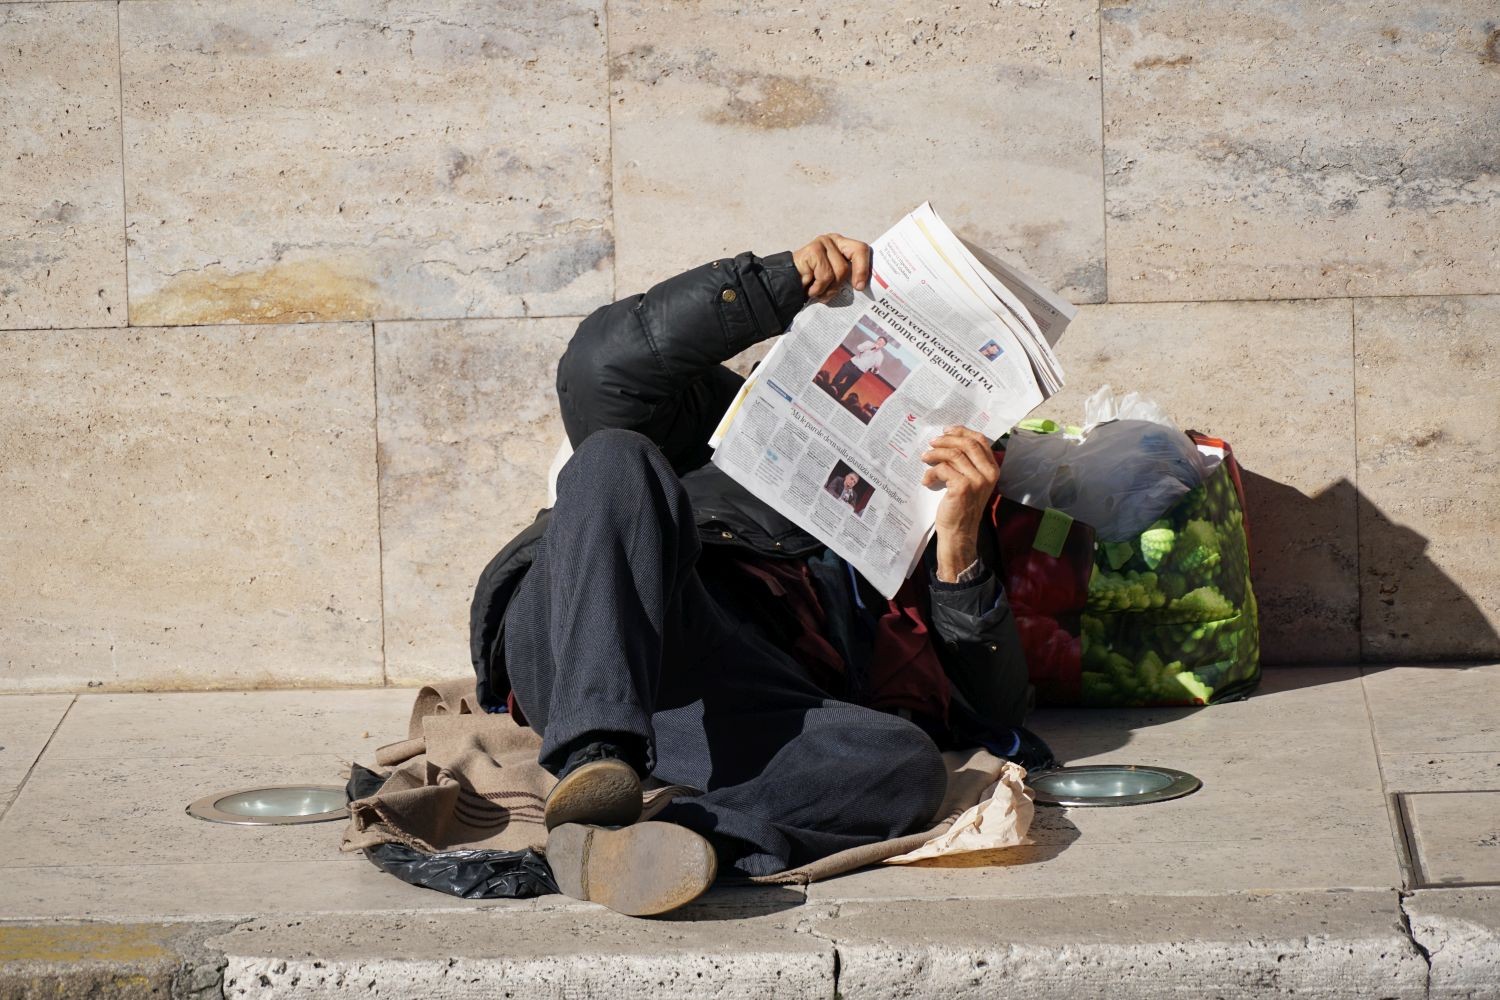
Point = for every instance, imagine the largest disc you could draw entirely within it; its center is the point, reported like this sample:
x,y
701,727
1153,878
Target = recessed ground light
x,y
1111,785
277,806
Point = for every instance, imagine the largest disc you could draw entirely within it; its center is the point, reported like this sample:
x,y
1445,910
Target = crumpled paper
x,y
1002,818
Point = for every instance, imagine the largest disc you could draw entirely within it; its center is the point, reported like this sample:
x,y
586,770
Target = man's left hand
x,y
962,461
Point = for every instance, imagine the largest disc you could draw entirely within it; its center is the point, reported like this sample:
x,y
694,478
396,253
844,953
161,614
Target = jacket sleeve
x,y
653,362
980,645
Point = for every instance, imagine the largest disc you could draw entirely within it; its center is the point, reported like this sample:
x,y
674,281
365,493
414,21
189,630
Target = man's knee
x,y
613,460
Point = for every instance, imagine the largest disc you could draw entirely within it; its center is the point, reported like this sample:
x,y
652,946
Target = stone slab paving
x,y
27,722
1435,708
1292,800
233,724
468,425
188,507
99,811
1440,772
219,889
101,832
62,214
1456,836
1265,883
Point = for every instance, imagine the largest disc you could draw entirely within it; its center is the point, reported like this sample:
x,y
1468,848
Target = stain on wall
x,y
286,292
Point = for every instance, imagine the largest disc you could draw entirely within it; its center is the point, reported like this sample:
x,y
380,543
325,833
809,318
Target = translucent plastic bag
x,y
1121,472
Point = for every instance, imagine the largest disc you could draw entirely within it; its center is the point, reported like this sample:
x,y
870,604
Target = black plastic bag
x,y
469,874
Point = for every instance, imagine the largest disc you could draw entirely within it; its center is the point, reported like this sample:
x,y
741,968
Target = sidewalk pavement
x,y
1287,874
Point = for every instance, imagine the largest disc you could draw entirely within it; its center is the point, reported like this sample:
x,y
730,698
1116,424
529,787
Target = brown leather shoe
x,y
638,870
604,791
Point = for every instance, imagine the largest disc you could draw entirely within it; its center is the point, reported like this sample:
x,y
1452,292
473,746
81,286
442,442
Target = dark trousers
x,y
613,631
844,379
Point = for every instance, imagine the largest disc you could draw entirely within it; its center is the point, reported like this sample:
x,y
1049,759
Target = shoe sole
x,y
639,870
607,792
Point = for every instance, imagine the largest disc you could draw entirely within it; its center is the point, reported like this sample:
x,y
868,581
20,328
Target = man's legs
x,y
613,636
844,379
600,611
790,775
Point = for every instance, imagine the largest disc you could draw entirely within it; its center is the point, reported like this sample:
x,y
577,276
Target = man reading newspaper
x,y
660,621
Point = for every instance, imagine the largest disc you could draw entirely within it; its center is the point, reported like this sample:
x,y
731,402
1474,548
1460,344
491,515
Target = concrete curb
x,y
1308,945
1311,945
61,961
542,953
1459,931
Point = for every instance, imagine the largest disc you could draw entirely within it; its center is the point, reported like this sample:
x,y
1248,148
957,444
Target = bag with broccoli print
x,y
1166,617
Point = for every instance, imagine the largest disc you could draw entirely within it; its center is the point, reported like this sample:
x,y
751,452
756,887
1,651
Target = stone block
x,y
188,508
1440,772
1437,708
1428,394
468,427
1319,945
1454,836
1300,150
1459,929
224,888
133,811
107,961
1273,379
62,226
1256,787
231,724
547,953
733,134
454,162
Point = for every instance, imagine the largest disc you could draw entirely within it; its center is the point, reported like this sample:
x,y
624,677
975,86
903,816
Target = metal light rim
x,y
1181,784
207,808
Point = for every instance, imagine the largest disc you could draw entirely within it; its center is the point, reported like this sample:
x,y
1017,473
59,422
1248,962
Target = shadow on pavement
x,y
736,902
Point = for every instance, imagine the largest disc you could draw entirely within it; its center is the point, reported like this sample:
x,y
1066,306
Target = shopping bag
x,y
1167,617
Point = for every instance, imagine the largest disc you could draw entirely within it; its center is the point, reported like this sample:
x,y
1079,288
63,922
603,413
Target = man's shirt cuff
x,y
975,593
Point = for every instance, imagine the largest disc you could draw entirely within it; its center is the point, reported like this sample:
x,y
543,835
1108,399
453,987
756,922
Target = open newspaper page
x,y
830,428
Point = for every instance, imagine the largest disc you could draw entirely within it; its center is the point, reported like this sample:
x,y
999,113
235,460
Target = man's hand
x,y
962,461
829,261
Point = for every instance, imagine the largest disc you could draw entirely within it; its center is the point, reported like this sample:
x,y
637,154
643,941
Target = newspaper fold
x,y
830,428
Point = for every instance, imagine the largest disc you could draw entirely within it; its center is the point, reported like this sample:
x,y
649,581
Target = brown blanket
x,y
464,779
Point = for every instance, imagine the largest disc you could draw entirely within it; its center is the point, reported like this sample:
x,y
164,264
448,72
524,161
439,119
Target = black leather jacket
x,y
653,363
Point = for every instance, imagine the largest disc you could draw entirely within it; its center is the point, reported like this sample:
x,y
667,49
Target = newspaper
x,y
830,428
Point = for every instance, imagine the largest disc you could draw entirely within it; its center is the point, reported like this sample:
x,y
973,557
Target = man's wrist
x,y
954,556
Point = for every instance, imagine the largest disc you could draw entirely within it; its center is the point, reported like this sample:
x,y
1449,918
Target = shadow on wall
x,y
1339,582
1311,588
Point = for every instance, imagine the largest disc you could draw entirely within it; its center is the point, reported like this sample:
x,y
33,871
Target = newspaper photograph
x,y
829,428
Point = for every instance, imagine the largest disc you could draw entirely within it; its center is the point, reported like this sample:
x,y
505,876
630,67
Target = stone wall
x,y
282,284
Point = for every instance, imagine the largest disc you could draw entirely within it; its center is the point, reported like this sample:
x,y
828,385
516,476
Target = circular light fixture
x,y
1111,785
281,805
